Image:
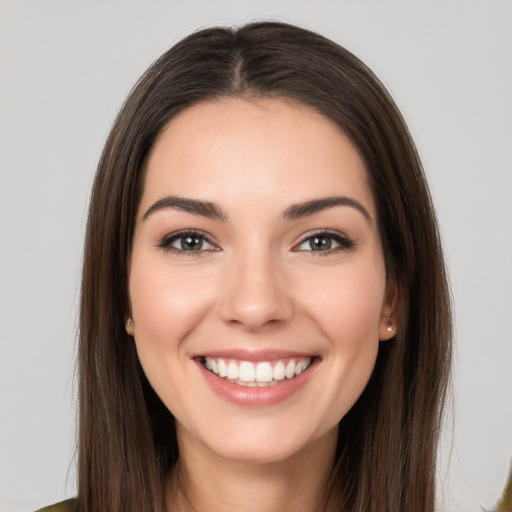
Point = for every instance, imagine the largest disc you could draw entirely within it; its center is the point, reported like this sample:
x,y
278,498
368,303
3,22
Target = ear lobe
x,y
129,326
388,322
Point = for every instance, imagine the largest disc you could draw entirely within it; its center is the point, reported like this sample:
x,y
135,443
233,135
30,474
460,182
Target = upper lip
x,y
254,355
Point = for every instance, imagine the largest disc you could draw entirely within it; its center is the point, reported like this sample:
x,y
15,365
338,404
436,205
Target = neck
x,y
204,482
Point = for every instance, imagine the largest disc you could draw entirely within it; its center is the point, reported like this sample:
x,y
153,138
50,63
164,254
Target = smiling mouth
x,y
261,374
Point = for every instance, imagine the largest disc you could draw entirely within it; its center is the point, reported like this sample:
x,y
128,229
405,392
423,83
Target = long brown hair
x,y
386,456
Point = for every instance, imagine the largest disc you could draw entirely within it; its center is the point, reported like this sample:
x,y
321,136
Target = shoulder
x,y
63,506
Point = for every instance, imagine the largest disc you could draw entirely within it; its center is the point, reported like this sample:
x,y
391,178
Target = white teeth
x,y
232,370
279,371
262,374
290,369
223,369
247,372
301,366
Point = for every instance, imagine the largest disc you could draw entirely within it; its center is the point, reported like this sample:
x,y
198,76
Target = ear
x,y
388,322
129,325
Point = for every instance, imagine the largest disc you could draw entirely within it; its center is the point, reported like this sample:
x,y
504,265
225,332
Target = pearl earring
x,y
129,324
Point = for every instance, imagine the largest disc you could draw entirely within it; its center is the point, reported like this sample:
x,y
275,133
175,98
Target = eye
x,y
327,242
187,242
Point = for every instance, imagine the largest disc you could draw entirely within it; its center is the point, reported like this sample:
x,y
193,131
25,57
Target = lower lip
x,y
255,396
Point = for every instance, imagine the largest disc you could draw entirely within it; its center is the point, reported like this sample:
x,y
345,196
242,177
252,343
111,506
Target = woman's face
x,y
257,281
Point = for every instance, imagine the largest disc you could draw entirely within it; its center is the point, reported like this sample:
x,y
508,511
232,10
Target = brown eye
x,y
186,241
326,242
320,243
189,243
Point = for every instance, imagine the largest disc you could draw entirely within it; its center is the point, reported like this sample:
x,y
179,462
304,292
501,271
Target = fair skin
x,y
294,298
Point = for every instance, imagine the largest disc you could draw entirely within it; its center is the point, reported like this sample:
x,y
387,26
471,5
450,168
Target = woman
x,y
265,318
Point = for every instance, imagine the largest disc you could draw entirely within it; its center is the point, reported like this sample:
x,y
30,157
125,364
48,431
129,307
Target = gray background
x,y
65,69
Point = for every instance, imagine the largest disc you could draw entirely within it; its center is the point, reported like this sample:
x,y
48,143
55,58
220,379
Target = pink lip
x,y
255,397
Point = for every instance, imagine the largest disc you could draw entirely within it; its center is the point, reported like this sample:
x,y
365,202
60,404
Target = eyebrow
x,y
212,211
297,211
194,206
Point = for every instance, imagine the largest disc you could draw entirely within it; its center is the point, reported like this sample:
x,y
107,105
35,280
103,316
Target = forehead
x,y
266,150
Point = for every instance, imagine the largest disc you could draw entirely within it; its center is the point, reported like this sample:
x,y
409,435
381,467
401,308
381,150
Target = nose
x,y
256,293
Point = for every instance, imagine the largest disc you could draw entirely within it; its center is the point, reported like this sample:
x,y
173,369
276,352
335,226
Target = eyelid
x,y
166,241
344,241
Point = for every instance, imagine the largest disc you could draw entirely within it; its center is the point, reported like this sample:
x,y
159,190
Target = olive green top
x,y
504,505
63,506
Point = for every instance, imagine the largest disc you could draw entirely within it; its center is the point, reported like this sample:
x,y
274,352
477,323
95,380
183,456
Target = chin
x,y
264,441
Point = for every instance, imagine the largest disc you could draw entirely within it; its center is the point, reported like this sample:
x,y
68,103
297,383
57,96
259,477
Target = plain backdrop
x,y
65,68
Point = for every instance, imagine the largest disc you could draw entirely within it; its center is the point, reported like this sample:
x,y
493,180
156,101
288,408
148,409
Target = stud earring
x,y
389,328
129,325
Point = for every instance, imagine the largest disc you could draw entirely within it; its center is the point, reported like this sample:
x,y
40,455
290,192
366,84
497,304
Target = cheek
x,y
165,302
166,306
348,313
348,305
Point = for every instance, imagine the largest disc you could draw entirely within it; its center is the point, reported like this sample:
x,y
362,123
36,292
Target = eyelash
x,y
167,240
344,242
